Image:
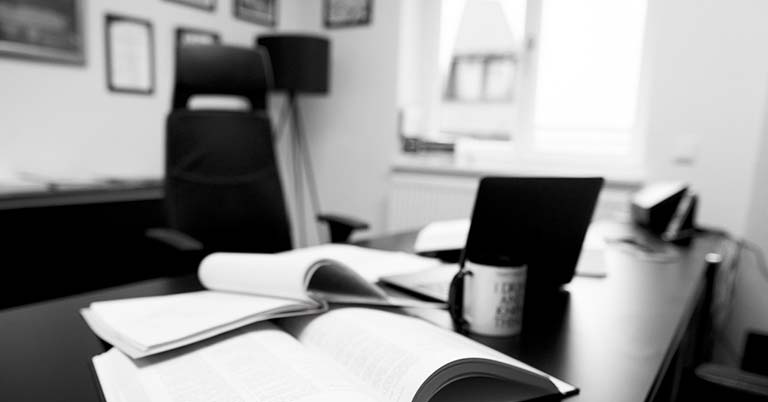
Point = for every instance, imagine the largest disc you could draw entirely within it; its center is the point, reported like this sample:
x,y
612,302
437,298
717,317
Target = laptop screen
x,y
539,221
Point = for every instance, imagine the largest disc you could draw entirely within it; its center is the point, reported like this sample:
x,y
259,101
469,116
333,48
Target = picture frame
x,y
43,30
262,12
347,13
208,5
194,36
130,54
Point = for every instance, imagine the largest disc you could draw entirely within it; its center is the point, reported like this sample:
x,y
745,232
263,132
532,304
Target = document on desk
x,y
144,326
592,260
350,354
442,236
244,288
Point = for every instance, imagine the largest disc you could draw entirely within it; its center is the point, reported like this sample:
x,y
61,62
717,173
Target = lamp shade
x,y
299,62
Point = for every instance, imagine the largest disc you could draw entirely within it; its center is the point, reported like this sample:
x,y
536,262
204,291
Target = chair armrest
x,y
341,227
173,238
733,379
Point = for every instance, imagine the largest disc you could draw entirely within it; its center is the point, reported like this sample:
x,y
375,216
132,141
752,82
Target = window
x,y
482,77
480,98
587,74
551,76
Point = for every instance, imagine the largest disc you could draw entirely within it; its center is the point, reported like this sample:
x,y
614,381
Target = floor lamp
x,y
300,66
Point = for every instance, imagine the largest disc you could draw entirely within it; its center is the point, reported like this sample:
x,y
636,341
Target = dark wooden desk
x,y
70,240
619,338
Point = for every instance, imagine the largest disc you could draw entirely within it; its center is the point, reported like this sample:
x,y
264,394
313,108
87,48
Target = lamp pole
x,y
302,166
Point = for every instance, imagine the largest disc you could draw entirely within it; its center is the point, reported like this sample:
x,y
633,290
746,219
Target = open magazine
x,y
243,288
346,354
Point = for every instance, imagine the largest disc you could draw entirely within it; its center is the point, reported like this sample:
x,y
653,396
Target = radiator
x,y
415,200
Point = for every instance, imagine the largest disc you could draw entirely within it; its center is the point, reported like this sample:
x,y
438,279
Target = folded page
x,y
278,275
369,263
335,273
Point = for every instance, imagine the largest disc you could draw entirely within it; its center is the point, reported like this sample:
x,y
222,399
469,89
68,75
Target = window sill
x,y
447,165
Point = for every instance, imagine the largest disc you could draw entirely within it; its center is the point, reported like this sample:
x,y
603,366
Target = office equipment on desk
x,y
440,239
348,354
301,65
243,288
486,296
443,239
542,219
666,209
222,188
434,283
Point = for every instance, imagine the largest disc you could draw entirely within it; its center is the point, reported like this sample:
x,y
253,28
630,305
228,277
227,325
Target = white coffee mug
x,y
488,299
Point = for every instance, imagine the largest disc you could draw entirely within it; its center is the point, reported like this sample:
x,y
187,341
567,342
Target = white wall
x,y
61,120
708,103
749,310
707,96
419,80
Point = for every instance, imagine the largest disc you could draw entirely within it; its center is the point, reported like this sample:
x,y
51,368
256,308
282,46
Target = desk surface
x,y
611,336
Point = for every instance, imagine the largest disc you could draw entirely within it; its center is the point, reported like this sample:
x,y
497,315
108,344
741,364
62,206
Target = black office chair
x,y
222,186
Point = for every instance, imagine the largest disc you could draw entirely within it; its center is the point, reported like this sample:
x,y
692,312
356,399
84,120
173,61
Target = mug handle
x,y
456,301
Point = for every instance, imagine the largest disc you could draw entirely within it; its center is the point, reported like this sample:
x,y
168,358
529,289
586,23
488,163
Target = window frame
x,y
523,134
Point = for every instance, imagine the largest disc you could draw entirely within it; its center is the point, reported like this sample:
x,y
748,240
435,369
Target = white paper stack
x,y
144,326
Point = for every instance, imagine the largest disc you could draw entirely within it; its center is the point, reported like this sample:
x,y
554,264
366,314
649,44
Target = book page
x,y
368,263
395,355
261,363
279,275
335,273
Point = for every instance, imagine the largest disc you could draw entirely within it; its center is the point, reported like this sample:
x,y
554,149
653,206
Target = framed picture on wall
x,y
43,29
192,36
262,12
209,5
130,54
347,13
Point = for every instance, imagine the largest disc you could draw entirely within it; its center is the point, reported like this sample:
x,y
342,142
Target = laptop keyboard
x,y
437,290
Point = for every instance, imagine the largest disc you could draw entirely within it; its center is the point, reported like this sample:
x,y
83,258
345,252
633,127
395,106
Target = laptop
x,y
540,219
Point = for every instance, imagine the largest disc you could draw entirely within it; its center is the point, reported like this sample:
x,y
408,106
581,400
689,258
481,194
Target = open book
x,y
247,288
347,354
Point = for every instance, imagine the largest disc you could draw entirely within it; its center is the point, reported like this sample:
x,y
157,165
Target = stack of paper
x,y
442,235
144,326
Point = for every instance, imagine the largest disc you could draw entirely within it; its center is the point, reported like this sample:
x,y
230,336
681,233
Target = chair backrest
x,y
222,184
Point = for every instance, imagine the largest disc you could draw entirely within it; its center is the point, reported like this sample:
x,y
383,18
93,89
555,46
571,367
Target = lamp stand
x,y
302,168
